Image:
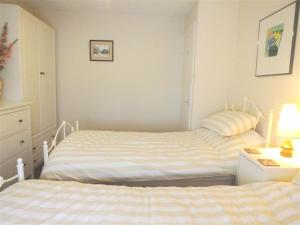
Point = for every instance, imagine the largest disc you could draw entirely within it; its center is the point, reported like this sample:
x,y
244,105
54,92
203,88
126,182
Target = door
x,y
29,40
188,73
47,88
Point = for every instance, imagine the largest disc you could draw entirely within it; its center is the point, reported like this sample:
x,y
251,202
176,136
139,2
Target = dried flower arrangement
x,y
5,48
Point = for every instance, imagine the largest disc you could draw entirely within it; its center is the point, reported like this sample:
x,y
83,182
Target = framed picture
x,y
276,41
101,50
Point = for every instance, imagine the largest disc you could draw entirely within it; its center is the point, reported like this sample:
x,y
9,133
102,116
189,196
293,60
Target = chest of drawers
x,y
15,138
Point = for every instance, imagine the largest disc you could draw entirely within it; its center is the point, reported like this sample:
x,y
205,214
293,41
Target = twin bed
x,y
203,157
69,202
200,157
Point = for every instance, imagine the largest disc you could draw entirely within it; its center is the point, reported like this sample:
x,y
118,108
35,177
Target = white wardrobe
x,y
34,81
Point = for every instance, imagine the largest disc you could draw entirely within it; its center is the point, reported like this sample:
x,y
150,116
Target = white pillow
x,y
296,179
253,139
230,123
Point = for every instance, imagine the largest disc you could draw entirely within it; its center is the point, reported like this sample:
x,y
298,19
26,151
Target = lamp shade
x,y
289,122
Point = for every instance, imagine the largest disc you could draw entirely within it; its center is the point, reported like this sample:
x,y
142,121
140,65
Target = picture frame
x,y
101,50
276,42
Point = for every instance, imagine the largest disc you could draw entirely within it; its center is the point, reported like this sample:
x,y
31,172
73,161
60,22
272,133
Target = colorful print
x,y
274,36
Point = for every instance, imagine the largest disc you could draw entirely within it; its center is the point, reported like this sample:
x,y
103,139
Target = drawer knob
x,y
20,121
34,148
22,141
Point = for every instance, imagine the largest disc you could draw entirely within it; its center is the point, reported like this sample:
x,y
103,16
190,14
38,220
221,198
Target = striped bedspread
x,y
105,156
67,202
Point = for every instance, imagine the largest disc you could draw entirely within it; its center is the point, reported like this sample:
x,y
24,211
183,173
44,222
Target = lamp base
x,y
287,149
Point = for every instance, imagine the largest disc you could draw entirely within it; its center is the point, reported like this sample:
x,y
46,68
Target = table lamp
x,y
288,127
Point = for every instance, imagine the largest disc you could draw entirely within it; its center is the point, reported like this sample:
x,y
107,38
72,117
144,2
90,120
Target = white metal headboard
x,y
20,176
250,107
63,127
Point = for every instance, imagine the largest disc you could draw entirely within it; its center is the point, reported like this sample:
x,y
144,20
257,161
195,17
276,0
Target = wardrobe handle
x,y
42,73
22,142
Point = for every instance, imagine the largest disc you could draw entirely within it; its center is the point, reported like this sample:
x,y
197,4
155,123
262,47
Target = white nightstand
x,y
250,170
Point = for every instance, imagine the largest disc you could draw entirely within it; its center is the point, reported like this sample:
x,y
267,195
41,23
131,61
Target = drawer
x,y
50,136
9,168
37,146
13,122
38,159
14,145
39,140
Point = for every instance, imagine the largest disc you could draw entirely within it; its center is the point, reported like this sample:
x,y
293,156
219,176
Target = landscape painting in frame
x,y
101,50
276,41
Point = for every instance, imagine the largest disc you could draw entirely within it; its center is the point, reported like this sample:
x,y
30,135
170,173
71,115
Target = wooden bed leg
x,y
20,168
45,150
77,125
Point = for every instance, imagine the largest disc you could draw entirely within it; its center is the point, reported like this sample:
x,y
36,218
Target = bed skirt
x,y
189,182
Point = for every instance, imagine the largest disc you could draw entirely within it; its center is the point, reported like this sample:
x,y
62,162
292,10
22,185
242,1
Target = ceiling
x,y
160,7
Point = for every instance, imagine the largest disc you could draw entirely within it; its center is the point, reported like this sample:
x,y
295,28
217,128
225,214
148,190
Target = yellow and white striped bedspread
x,y
67,202
105,156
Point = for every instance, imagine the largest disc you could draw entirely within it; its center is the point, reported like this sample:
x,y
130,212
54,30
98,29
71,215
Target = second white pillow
x,y
230,123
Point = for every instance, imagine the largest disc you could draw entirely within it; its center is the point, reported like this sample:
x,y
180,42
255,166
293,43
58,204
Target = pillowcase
x,y
230,123
296,179
253,139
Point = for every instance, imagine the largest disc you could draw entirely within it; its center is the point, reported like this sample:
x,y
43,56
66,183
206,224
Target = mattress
x,y
68,202
105,156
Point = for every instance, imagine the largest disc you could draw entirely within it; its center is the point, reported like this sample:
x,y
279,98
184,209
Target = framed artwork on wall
x,y
101,50
276,41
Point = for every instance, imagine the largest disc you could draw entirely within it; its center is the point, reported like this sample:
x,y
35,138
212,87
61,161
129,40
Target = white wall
x,y
11,73
226,57
140,90
267,92
216,56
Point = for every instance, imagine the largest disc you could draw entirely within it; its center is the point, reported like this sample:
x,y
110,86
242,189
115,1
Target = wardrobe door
x,y
46,48
30,69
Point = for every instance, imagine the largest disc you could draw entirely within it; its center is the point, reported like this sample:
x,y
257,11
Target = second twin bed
x,y
206,156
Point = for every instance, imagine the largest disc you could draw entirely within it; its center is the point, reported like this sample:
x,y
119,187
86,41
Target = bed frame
x,y
20,174
63,127
247,106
